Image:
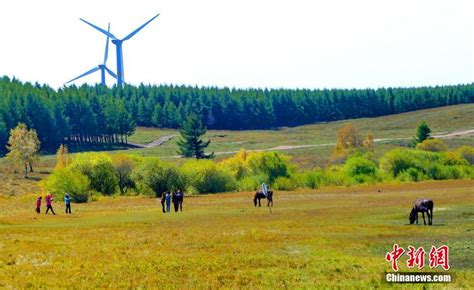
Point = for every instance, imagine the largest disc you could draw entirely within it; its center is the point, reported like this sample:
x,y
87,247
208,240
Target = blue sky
x,y
274,44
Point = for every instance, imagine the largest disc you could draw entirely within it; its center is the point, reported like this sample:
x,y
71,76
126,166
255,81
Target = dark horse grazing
x,y
422,205
259,195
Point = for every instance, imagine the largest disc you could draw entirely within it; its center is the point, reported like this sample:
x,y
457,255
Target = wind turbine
x,y
118,45
102,67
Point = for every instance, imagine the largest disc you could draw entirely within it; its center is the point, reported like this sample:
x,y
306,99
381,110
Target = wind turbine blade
x,y
84,74
110,72
100,29
107,46
139,28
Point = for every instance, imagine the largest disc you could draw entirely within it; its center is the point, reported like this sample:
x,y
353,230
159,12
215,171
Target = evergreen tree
x,y
190,144
422,133
3,135
156,117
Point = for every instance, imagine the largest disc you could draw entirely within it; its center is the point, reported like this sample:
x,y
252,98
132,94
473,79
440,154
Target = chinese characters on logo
x,y
438,257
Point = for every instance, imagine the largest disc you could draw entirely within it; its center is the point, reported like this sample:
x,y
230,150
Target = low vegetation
x,y
331,238
89,174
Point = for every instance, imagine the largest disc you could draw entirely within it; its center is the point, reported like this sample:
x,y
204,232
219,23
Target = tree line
x,y
97,114
71,116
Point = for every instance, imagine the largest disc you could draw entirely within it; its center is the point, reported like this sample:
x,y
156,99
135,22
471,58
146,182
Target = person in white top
x,y
264,189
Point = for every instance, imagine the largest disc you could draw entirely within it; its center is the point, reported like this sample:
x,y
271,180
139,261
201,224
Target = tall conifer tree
x,y
191,144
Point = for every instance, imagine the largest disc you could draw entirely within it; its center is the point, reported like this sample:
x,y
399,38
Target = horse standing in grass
x,y
422,205
259,195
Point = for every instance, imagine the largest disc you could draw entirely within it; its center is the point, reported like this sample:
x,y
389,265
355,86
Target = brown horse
x,y
422,205
259,195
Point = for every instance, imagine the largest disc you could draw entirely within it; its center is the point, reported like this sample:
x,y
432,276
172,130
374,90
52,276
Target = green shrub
x,y
63,181
400,159
251,183
358,165
312,179
208,177
467,172
272,164
286,183
99,169
123,165
333,175
410,174
153,177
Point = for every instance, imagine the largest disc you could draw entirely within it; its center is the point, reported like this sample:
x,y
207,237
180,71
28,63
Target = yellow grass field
x,y
326,238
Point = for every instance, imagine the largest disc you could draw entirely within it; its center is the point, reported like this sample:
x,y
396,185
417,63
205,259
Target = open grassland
x,y
397,129
332,237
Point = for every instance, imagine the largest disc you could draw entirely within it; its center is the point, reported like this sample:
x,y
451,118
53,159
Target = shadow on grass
x,y
78,148
422,225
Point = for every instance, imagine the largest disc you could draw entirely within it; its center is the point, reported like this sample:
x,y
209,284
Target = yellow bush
x,y
467,152
237,164
453,158
432,145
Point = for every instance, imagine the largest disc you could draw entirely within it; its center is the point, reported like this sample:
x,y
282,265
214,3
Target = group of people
x,y
49,203
176,198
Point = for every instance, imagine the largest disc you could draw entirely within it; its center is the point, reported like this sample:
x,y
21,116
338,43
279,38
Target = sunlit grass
x,y
333,237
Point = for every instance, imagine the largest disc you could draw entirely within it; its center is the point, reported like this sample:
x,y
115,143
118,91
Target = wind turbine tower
x,y
102,67
118,45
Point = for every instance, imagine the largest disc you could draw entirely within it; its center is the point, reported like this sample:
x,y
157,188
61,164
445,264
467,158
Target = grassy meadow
x,y
333,237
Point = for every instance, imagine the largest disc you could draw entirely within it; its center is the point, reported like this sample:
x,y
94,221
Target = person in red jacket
x,y
49,204
38,204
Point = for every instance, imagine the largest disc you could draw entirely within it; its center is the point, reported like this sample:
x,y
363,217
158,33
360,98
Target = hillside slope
x,y
395,129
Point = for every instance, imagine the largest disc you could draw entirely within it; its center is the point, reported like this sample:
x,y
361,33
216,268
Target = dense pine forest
x,y
97,114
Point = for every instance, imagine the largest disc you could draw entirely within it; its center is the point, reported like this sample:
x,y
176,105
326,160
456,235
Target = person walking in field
x,y
49,204
163,197
67,202
168,202
38,204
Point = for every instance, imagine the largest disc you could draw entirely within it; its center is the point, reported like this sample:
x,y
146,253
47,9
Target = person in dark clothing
x,y
163,197
174,199
49,204
180,199
67,202
38,204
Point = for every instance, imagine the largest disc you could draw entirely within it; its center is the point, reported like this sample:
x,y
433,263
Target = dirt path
x,y
464,133
156,143
163,139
